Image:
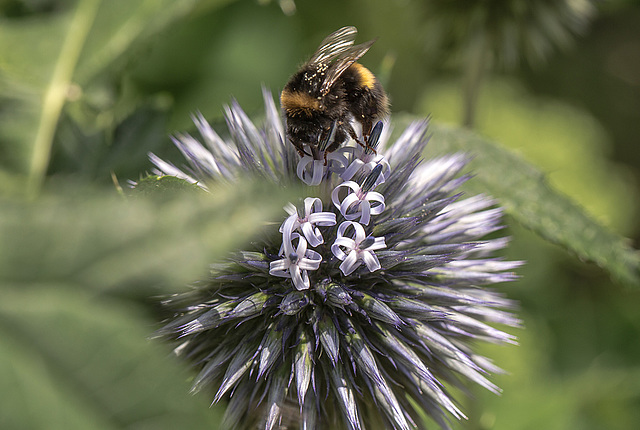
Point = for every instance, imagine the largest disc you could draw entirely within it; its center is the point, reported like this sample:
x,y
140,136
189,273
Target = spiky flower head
x,y
363,305
510,31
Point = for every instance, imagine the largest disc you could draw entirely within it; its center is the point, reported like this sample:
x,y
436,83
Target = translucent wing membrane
x,y
334,44
342,63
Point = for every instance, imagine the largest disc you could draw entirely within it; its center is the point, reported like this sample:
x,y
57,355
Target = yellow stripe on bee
x,y
367,79
296,103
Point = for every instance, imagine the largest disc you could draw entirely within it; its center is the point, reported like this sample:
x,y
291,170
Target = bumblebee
x,y
328,93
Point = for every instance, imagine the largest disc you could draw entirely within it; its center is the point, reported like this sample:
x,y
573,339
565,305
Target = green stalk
x,y
472,80
56,92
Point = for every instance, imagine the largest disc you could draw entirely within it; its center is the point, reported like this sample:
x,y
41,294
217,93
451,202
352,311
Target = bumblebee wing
x,y
345,60
334,44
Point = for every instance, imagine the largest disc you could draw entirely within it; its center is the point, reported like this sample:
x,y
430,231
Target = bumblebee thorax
x,y
300,103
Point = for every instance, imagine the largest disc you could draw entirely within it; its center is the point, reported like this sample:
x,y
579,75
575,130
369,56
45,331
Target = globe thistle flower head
x,y
363,306
511,31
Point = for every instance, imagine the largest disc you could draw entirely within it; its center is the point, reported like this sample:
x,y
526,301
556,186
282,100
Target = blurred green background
x,y
133,72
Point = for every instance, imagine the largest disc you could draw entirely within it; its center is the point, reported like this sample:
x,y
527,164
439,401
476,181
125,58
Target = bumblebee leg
x,y
332,147
367,125
355,137
299,147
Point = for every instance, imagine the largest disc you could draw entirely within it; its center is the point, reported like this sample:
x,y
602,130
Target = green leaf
x,y
105,241
121,150
78,269
527,197
154,185
72,360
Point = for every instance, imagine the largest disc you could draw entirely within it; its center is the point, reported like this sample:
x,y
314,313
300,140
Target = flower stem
x,y
472,80
56,92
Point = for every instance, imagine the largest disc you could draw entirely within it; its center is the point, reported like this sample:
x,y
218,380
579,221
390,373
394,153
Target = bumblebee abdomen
x,y
363,76
365,96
